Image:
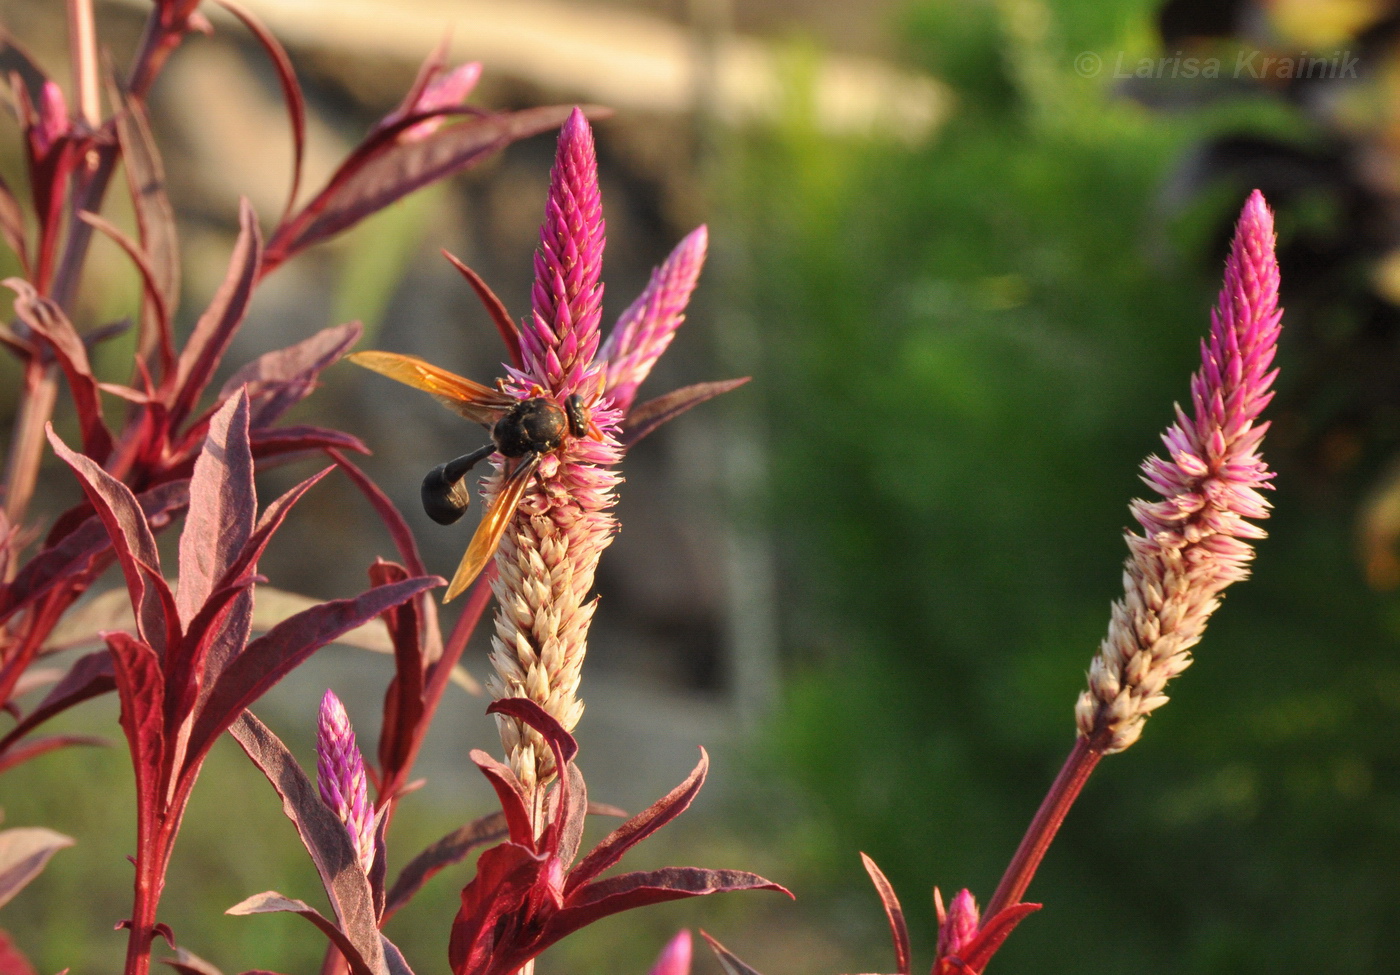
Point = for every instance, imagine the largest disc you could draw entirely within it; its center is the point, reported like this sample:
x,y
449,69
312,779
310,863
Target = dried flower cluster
x,y
1191,546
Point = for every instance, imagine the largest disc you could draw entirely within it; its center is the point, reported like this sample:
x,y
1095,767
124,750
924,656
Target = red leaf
x,y
12,229
990,937
23,854
572,818
731,963
505,877
291,92
222,506
525,710
271,902
899,930
626,891
511,794
403,700
653,413
89,676
155,222
157,312
42,746
215,328
638,828
279,380
12,960
323,835
455,847
50,325
131,538
141,687
399,530
272,656
510,334
386,170
188,963
72,553
278,441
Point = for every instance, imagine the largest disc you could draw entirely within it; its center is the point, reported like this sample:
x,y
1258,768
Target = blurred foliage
x,y
968,350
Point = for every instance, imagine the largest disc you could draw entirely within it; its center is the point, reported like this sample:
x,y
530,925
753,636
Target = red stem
x,y
1041,832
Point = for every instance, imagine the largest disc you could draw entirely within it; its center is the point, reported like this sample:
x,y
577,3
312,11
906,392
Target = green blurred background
x,y
964,340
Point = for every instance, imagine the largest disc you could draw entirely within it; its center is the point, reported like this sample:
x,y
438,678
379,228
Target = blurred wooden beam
x,y
624,59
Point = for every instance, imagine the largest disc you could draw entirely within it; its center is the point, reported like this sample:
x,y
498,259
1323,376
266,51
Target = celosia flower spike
x,y
1191,546
675,957
646,328
340,776
561,336
957,925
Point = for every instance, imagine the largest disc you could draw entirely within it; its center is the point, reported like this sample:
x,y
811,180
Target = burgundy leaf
x,y
991,935
455,847
291,92
12,960
653,413
505,877
141,687
510,333
272,656
15,60
572,819
155,222
323,835
89,676
730,962
514,805
279,380
222,507
12,229
626,891
23,854
899,931
186,962
42,746
271,902
525,710
393,958
278,441
155,321
50,325
215,328
638,828
606,809
131,538
403,700
372,180
74,551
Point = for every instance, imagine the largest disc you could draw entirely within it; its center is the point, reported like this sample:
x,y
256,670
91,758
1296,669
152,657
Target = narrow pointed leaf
x,y
35,747
727,959
141,687
52,326
89,676
323,835
288,440
222,507
653,413
12,226
572,819
899,930
505,325
526,710
394,960
291,91
505,877
132,540
215,328
992,933
186,962
514,806
626,891
403,700
279,380
639,827
155,221
76,549
455,847
269,658
271,902
158,312
23,855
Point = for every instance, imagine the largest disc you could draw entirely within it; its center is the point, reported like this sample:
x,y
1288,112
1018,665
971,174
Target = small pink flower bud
x,y
52,123
958,926
675,957
448,89
340,776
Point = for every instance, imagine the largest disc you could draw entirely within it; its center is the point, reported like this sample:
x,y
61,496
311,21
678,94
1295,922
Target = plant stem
x,y
1063,792
82,47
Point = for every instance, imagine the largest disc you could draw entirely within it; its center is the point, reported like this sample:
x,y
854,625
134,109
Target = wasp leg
x,y
445,492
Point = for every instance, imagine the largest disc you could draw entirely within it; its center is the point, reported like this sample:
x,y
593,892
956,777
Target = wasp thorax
x,y
534,426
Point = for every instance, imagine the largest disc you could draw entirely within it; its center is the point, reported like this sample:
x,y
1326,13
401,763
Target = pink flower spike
x,y
1190,548
957,926
646,328
559,340
675,957
340,776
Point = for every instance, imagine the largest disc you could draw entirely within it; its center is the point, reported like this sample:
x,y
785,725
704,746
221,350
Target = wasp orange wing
x,y
464,397
492,527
